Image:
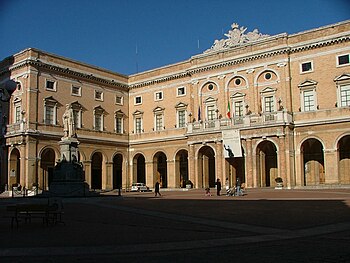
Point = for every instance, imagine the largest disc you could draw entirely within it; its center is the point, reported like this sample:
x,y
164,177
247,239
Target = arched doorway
x,y
47,165
267,164
15,167
206,167
96,171
344,160
117,171
139,172
235,167
313,162
160,169
181,168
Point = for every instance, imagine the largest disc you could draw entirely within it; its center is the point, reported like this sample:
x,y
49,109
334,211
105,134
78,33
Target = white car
x,y
139,187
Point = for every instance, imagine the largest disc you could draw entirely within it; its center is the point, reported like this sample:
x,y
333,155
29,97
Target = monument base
x,y
69,189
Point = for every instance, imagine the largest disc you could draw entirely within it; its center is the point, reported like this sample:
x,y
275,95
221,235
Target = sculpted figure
x,y
68,122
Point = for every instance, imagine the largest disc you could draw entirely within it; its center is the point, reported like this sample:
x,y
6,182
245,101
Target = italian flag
x,y
228,110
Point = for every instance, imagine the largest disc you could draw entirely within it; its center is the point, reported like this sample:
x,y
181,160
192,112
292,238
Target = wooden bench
x,y
50,213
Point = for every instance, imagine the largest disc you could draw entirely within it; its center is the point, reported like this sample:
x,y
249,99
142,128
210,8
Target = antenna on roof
x,y
137,64
198,43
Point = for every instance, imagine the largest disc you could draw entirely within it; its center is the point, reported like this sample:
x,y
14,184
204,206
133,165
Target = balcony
x,y
242,122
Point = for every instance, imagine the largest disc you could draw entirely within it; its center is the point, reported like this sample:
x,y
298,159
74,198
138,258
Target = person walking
x,y
218,187
238,186
156,189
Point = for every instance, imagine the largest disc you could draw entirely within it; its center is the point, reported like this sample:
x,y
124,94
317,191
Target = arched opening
x,y
313,162
139,172
47,165
181,168
344,160
160,169
117,171
96,171
235,168
206,167
15,167
267,164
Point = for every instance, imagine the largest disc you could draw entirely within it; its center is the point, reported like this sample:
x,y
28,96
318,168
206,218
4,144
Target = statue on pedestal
x,y
68,122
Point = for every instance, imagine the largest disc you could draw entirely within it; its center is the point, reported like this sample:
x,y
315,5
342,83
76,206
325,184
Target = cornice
x,y
65,71
309,46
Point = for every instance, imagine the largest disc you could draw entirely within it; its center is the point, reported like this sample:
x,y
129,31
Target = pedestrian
x,y
218,186
156,189
207,191
238,186
227,184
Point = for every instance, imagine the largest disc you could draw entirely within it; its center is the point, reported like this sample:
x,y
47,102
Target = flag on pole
x,y
228,110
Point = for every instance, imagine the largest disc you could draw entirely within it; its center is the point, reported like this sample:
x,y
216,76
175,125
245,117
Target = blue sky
x,y
105,33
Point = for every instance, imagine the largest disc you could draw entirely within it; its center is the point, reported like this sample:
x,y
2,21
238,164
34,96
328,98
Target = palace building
x,y
252,106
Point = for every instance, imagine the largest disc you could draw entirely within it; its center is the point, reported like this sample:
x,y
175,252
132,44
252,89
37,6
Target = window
x,y
159,122
268,76
77,114
98,118
98,95
119,124
138,124
181,115
17,113
306,67
181,111
138,100
98,122
118,100
50,109
268,104
76,91
50,85
238,108
49,114
343,60
158,96
309,100
181,91
345,95
211,112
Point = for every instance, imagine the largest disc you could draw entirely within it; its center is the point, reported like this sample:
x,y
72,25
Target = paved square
x,y
265,225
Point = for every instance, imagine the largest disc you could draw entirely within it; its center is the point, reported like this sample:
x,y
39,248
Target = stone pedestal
x,y
68,175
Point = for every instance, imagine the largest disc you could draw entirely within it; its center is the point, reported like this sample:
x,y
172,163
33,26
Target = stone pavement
x,y
266,225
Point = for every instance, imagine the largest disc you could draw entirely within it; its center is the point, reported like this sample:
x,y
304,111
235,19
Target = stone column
x,y
87,168
150,176
219,158
107,173
172,183
249,163
331,166
191,164
281,158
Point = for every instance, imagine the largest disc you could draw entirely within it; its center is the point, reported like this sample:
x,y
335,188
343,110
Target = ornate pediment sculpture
x,y
236,36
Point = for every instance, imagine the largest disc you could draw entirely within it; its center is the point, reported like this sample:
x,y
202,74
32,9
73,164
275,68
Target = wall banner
x,y
232,143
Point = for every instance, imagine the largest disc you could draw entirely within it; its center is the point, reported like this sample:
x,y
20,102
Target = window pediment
x,y
268,90
181,105
210,100
307,83
158,109
343,77
77,106
237,95
137,112
119,113
100,110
